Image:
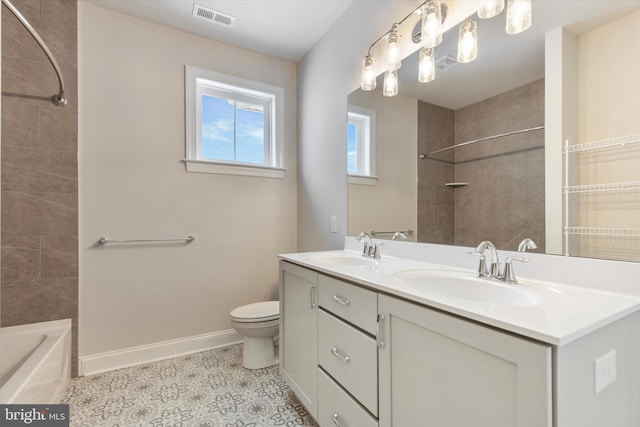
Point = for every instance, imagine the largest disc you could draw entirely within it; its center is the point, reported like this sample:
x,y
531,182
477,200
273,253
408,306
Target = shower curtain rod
x,y
462,144
59,99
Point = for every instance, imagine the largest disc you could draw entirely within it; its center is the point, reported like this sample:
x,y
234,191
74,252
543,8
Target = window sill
x,y
362,180
207,166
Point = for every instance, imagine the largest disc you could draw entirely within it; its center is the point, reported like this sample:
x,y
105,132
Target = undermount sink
x,y
464,286
341,259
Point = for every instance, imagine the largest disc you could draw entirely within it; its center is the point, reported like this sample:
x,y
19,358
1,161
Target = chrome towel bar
x,y
103,240
374,233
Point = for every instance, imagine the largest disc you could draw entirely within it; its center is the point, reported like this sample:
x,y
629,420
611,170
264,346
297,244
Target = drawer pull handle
x,y
312,296
335,418
342,300
340,355
379,340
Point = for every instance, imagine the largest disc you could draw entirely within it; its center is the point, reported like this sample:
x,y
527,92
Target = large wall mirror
x,y
573,76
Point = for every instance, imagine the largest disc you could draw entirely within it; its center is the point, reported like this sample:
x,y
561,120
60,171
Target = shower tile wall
x,y
504,201
435,201
39,221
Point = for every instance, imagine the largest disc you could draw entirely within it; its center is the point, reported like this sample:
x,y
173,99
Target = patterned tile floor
x,y
208,389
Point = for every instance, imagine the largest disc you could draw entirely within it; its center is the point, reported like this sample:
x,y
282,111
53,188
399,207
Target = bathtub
x,y
35,362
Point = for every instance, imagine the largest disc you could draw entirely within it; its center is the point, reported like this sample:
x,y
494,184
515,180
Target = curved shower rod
x,y
59,99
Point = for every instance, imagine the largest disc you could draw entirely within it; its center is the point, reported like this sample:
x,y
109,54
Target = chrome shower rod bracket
x,y
58,99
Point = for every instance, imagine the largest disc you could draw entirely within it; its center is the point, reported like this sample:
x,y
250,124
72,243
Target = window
x,y
234,125
361,145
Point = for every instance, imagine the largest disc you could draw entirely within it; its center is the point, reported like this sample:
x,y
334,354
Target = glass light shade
x,y
368,74
490,8
518,16
390,83
431,24
468,41
427,65
393,56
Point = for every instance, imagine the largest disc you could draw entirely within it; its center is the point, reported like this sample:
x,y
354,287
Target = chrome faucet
x,y
507,275
494,266
527,244
369,249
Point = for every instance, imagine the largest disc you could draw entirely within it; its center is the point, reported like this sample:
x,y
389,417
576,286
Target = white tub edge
x,y
58,334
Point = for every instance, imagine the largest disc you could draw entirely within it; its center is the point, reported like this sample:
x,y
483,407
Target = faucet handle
x,y
376,250
509,276
399,235
482,265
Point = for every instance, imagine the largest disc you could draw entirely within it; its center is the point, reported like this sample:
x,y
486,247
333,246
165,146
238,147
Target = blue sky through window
x,y
352,148
229,138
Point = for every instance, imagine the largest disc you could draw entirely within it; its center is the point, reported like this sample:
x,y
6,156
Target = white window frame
x,y
365,121
199,82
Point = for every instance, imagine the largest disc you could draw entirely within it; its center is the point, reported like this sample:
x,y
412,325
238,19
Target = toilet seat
x,y
257,312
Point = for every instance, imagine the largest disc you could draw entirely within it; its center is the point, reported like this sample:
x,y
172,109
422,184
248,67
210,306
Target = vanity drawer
x,y
349,356
352,303
335,406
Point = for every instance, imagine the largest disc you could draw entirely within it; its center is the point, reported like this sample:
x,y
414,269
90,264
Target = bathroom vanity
x,y
399,342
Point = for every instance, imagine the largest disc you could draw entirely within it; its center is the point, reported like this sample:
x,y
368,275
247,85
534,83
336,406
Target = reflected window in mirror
x,y
361,127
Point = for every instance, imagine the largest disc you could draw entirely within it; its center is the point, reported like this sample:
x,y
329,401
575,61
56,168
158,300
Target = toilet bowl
x,y
258,323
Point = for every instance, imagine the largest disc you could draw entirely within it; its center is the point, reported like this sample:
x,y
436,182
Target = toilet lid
x,y
259,311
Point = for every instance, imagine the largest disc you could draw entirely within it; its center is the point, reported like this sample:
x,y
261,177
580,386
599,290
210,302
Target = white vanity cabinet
x,y
440,370
362,348
298,332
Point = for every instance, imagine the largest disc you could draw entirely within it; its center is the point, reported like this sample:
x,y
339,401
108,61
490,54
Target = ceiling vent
x,y
213,15
445,63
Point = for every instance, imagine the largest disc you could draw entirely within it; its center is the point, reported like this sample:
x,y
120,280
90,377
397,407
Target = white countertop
x,y
560,314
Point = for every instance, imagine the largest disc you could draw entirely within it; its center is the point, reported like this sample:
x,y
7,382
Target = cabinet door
x,y
298,333
439,370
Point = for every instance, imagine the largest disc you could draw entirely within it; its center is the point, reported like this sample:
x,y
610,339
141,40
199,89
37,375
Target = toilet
x,y
258,323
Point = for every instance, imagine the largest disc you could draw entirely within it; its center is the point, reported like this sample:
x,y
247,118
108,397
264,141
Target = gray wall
x,y
39,168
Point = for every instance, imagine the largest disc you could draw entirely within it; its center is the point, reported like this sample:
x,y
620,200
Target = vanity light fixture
x,y
368,74
393,56
390,83
518,16
431,23
468,41
427,65
490,8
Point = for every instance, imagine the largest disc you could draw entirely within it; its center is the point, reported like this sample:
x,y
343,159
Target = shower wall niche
x,y
489,190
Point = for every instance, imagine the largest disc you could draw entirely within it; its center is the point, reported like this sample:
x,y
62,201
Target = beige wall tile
x,y
20,258
32,214
59,256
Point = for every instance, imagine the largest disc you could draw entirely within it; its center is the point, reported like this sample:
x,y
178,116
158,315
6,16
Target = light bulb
x,y
393,56
468,42
426,66
390,83
518,16
368,74
431,24
490,8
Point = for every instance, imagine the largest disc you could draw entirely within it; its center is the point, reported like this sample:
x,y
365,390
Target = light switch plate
x,y
334,224
604,371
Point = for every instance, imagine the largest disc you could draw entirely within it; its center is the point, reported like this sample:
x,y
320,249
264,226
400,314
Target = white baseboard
x,y
123,358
